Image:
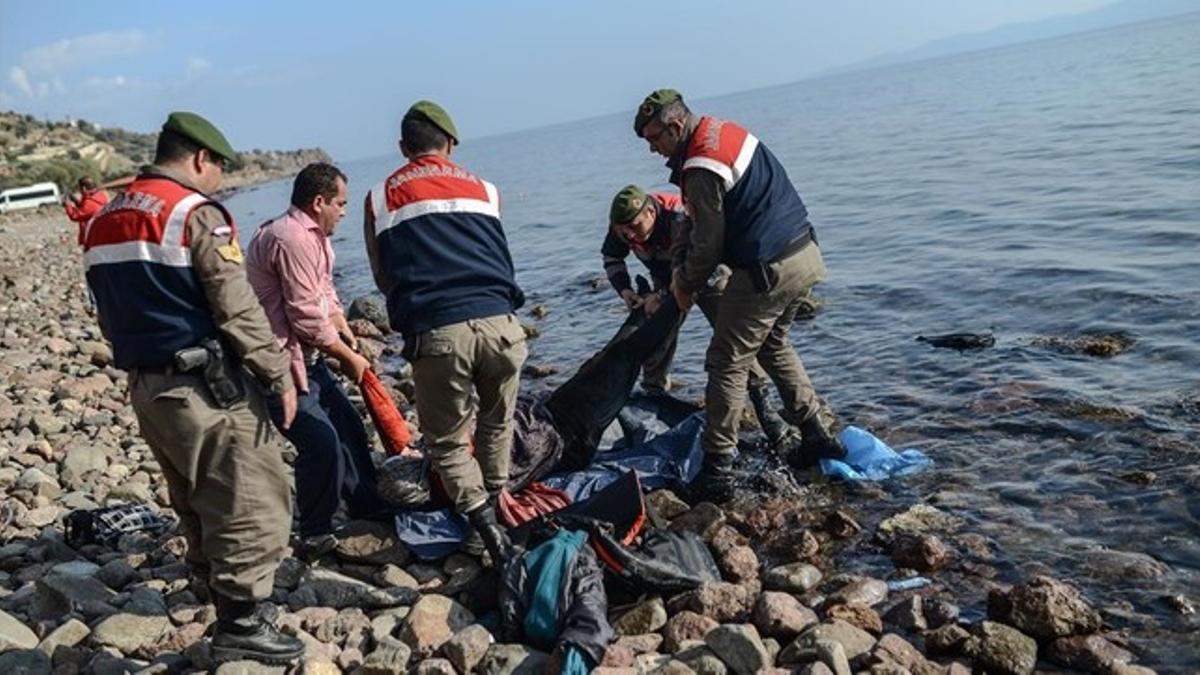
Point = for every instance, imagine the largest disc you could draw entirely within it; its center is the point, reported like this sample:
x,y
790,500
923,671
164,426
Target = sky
x,y
340,75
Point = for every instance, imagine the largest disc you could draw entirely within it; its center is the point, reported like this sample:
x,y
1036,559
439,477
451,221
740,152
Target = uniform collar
x,y
676,160
156,171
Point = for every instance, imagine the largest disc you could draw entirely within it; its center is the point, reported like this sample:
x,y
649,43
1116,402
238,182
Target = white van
x,y
30,197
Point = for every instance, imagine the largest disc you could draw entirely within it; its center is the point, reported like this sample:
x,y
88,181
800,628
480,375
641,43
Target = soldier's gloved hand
x,y
287,401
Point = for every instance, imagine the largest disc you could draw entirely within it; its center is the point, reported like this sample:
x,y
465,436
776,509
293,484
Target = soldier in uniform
x,y
746,214
164,265
650,225
440,256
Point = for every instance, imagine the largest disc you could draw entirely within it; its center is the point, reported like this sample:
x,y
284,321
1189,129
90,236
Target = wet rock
x,y
466,648
389,658
14,634
704,519
781,615
510,659
854,640
25,662
667,504
924,553
720,600
940,612
918,519
841,525
433,620
739,646
867,591
1088,653
370,308
1044,608
536,371
685,626
948,639
1180,603
1120,566
792,544
539,311
646,617
1002,649
959,341
129,632
892,648
1102,345
794,578
738,563
857,615
907,614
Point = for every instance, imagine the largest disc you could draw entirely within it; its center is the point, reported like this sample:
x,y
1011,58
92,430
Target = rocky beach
x,y
789,602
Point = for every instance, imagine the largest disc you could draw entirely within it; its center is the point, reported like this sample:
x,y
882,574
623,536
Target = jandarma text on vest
x,y
139,201
433,171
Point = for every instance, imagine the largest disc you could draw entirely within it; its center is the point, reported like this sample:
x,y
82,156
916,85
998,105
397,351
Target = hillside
x,y
33,150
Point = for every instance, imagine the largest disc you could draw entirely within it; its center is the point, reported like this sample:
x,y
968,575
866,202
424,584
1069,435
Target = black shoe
x,y
816,443
309,549
716,481
494,536
242,633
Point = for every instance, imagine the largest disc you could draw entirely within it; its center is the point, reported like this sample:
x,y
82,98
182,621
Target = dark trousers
x,y
333,455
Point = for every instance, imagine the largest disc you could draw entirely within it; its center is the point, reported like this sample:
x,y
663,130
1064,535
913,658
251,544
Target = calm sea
x,y
1046,189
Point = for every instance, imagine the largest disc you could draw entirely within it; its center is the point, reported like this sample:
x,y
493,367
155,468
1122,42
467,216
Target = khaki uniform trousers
x,y
656,370
752,324
226,477
480,357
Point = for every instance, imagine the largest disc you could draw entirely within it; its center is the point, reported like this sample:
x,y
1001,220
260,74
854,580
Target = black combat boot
x,y
779,433
816,442
242,633
494,536
716,481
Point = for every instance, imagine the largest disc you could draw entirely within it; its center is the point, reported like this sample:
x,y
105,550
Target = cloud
x,y
71,53
20,80
114,82
197,66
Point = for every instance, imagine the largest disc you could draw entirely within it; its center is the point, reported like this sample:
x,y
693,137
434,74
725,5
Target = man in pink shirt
x,y
290,265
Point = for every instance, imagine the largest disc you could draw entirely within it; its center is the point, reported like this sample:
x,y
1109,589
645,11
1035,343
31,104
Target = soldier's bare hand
x,y
632,299
288,402
652,303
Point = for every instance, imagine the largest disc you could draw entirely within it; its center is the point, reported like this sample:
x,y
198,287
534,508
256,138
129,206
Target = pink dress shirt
x,y
290,266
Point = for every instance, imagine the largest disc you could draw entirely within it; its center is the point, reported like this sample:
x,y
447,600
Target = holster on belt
x,y
220,375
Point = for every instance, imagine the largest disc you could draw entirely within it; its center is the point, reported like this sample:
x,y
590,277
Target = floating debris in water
x,y
959,341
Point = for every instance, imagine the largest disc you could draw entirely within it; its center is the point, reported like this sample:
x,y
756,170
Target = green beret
x,y
434,114
201,131
628,203
651,106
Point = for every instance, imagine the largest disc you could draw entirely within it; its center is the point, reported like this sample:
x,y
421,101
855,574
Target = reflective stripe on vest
x,y
723,148
169,250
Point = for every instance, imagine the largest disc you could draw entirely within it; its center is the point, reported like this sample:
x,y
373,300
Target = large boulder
x,y
1044,608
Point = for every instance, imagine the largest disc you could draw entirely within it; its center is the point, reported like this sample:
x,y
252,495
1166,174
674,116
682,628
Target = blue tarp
x,y
868,458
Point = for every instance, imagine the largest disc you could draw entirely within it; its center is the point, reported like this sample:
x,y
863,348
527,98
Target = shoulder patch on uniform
x,y
231,252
